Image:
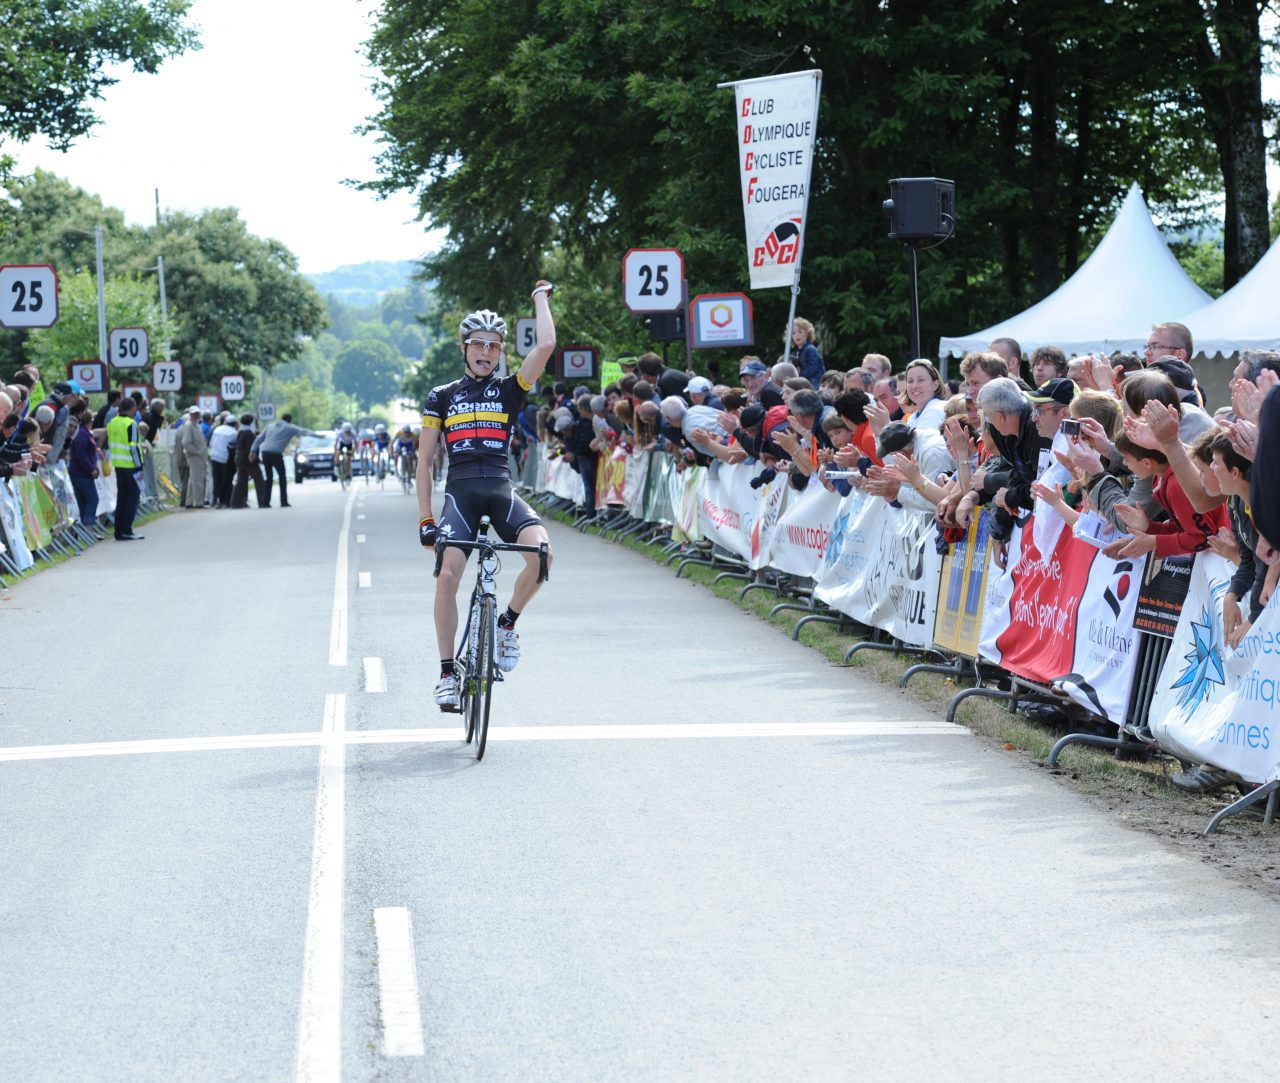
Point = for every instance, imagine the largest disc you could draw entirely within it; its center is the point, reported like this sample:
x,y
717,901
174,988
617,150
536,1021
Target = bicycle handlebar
x,y
493,546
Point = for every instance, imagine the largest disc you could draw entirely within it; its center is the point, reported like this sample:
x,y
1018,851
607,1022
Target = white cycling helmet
x,y
379,428
346,427
483,320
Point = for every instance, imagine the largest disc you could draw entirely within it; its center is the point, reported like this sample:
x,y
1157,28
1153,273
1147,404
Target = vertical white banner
x,y
777,124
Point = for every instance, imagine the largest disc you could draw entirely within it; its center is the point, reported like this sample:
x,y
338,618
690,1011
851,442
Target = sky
x,y
261,118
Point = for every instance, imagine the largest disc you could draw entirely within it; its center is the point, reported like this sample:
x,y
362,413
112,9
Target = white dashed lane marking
x,y
398,983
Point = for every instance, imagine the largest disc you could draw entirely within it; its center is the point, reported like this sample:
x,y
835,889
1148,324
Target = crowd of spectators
x,y
1126,441
215,456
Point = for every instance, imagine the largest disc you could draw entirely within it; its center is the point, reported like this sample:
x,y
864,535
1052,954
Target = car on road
x,y
313,457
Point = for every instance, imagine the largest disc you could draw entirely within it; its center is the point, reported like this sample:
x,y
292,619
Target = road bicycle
x,y
343,467
366,462
475,660
406,465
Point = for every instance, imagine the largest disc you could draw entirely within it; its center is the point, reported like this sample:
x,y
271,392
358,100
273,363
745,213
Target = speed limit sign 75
x,y
28,295
232,388
129,347
167,376
653,279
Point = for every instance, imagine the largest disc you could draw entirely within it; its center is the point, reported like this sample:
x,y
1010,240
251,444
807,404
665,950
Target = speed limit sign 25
x,y
28,295
653,280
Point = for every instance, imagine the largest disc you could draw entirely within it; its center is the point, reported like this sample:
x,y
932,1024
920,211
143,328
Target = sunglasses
x,y
484,345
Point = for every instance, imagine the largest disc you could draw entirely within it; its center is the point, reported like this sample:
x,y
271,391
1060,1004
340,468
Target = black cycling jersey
x,y
477,418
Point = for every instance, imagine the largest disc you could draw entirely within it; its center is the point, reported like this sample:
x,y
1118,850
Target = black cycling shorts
x,y
467,499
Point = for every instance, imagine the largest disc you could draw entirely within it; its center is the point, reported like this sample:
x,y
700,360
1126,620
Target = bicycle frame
x,y
472,684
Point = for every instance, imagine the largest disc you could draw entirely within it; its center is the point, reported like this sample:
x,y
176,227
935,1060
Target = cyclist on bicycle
x,y
476,415
344,443
406,446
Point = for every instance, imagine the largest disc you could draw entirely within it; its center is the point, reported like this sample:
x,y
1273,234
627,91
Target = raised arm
x,y
535,363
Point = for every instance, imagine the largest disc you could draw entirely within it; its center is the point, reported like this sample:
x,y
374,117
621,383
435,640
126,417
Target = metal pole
x,y
804,215
158,209
102,301
164,309
913,287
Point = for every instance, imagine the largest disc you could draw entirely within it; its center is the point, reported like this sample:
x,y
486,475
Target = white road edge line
x,y
398,983
319,1056
443,734
375,675
338,625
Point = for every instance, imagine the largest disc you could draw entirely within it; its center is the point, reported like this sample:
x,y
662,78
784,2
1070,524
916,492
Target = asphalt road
x,y
240,843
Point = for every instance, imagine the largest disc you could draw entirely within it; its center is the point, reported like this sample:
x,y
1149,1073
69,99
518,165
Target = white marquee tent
x,y
1245,317
1130,281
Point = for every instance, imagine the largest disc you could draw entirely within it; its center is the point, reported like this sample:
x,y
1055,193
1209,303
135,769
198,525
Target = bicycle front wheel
x,y
482,684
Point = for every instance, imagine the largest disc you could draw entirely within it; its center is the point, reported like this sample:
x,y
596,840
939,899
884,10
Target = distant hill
x,y
364,284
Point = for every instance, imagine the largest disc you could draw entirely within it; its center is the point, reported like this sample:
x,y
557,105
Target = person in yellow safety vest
x,y
126,460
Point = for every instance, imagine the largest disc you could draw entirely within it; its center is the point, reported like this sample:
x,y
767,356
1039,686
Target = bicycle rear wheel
x,y
464,666
482,686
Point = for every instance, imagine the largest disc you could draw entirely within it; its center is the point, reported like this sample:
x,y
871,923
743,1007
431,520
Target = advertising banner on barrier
x,y
1065,618
39,511
686,501
799,544
725,507
610,477
657,502
882,568
1215,704
770,500
11,527
636,483
963,588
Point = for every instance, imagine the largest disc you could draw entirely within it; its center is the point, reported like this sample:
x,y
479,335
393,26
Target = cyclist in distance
x,y
476,416
344,444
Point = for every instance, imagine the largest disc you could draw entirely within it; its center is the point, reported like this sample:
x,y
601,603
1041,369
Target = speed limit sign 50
x,y
653,279
129,347
28,295
232,388
526,335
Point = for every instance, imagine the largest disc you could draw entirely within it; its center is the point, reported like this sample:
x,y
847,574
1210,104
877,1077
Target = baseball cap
x,y
700,384
751,416
193,409
753,368
896,436
1059,390
1184,379
67,387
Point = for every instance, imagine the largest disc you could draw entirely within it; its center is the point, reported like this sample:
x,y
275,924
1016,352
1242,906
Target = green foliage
x,y
1202,260
131,303
56,57
369,370
242,302
595,125
310,405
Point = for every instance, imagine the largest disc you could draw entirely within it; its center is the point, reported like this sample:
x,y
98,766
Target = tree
x,y
130,302
242,301
368,370
57,56
597,125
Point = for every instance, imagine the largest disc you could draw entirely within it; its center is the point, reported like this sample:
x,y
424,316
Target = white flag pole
x,y
804,219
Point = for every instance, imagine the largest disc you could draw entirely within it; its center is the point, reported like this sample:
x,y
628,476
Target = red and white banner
x,y
777,124
725,496
767,510
1067,618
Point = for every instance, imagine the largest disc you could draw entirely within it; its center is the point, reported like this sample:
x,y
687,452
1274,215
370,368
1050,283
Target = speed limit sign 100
x,y
653,279
28,295
129,347
232,388
167,376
